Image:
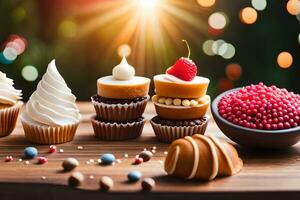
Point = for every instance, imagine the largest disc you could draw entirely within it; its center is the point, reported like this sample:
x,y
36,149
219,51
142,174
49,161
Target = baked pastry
x,y
10,105
201,157
120,103
180,98
51,115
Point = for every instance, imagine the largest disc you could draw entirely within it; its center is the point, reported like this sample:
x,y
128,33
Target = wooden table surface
x,y
265,174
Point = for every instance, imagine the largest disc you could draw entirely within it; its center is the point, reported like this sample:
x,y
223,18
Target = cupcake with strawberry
x,y
180,101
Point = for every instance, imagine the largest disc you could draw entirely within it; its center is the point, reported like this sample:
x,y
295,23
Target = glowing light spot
x,y
216,45
226,50
10,53
124,50
217,20
285,60
19,14
147,4
259,4
3,60
30,73
206,3
293,7
67,28
248,15
233,71
207,47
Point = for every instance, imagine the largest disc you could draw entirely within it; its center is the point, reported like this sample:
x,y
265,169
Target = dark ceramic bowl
x,y
254,138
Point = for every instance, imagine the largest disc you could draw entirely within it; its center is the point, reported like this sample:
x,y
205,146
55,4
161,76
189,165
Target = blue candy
x,y
107,159
30,152
134,176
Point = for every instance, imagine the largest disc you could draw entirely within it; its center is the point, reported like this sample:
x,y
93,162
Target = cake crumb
x,y
126,155
61,150
79,147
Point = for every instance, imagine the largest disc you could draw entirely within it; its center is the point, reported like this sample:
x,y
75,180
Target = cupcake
x,y
120,103
51,115
180,102
9,105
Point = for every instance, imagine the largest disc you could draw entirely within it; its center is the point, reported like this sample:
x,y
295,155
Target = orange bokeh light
x,y
248,15
285,59
206,3
233,71
293,7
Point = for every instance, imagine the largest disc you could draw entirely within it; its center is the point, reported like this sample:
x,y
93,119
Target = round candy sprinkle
x,y
8,158
138,160
70,164
30,152
148,184
76,179
134,176
107,159
146,155
106,183
52,149
42,160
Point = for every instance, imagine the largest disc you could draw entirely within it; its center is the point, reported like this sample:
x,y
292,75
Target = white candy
x,y
155,98
161,100
177,102
186,102
194,103
168,101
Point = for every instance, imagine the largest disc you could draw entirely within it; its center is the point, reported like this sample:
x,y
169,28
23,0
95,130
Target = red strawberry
x,y
184,68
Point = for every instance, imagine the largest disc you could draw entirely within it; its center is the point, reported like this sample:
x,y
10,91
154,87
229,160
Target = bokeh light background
x,y
234,43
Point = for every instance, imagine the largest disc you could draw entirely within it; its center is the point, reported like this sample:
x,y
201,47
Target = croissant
x,y
202,157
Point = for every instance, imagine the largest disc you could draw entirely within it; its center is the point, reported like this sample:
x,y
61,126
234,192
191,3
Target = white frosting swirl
x,y
52,103
123,71
8,94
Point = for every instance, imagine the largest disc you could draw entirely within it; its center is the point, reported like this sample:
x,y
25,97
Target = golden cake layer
x,y
108,87
170,86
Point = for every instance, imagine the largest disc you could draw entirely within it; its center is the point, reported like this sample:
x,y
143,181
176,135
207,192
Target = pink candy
x,y
8,158
52,149
261,107
42,160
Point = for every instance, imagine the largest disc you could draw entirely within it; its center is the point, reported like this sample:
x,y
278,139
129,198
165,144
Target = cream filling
x,y
196,157
8,94
177,151
110,80
172,79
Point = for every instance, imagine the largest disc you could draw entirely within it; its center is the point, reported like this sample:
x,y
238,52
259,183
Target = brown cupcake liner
x,y
168,134
117,131
8,118
41,134
120,112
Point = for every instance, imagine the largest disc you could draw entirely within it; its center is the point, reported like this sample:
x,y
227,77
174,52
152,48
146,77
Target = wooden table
x,y
267,174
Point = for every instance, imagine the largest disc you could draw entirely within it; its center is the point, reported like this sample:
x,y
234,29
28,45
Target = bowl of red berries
x,y
259,116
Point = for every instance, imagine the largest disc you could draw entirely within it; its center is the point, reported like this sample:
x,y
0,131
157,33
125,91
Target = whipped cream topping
x,y
174,79
123,71
52,103
8,94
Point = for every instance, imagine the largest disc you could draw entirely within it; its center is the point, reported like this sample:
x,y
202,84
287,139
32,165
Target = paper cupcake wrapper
x,y
8,119
116,131
120,112
168,134
40,134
